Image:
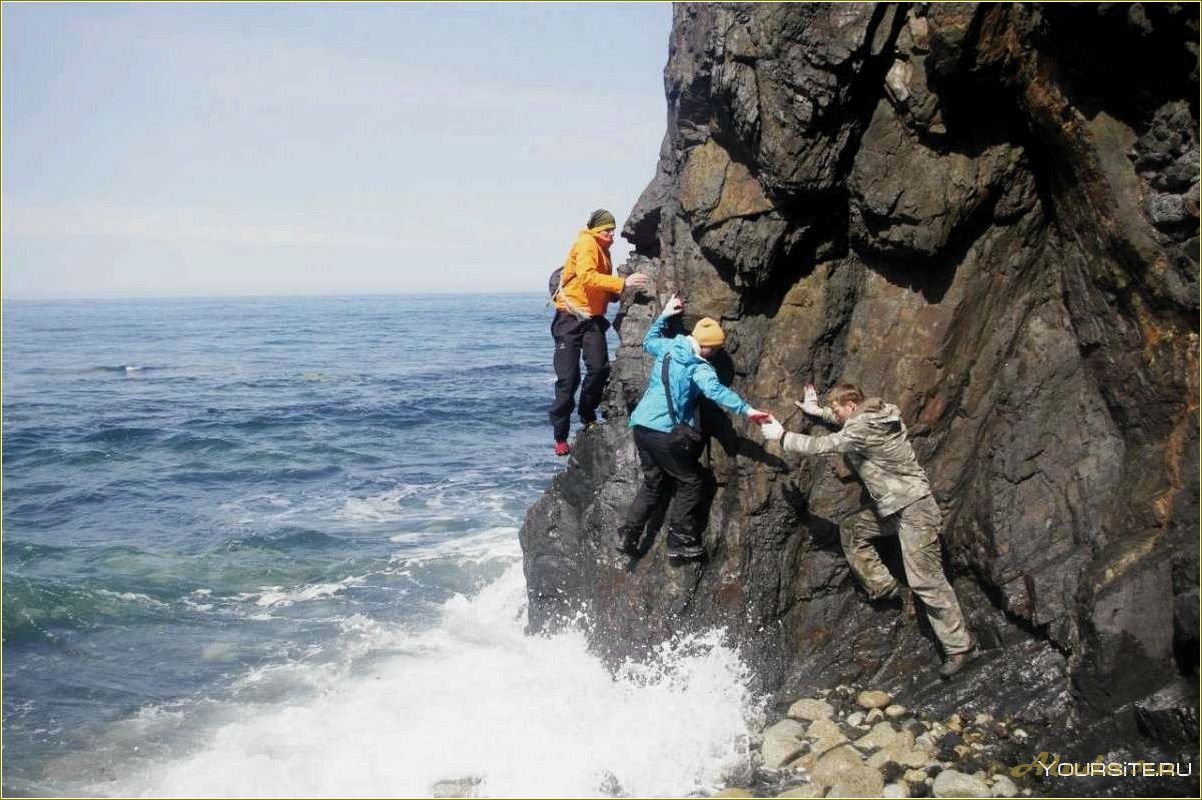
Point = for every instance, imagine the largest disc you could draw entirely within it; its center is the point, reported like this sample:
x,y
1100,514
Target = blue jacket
x,y
688,375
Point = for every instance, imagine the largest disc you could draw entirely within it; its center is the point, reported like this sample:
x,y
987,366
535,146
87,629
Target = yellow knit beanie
x,y
708,333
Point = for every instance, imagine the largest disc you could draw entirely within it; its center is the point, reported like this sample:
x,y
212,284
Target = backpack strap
x,y
667,391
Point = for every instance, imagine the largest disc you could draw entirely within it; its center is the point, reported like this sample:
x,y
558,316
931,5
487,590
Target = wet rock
x,y
874,716
951,783
946,747
811,709
873,699
891,772
734,792
896,790
1003,787
804,791
856,719
896,711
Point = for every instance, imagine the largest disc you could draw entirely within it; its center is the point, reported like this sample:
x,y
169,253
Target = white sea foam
x,y
133,597
277,596
471,697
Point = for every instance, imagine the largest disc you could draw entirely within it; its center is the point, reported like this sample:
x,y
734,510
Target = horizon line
x,y
261,296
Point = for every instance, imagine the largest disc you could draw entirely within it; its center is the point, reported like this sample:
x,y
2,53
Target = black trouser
x,y
574,336
666,469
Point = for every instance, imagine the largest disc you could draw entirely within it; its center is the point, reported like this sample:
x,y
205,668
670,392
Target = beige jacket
x,y
874,442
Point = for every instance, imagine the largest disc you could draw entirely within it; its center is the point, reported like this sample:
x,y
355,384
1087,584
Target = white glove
x,y
673,307
810,403
772,430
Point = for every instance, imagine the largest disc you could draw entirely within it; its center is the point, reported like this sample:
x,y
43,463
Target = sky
x,y
237,149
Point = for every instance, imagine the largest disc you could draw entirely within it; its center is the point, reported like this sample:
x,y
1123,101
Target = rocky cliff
x,y
987,214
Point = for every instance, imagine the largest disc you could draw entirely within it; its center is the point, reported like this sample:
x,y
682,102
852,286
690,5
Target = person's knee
x,y
929,583
597,373
654,483
690,485
847,534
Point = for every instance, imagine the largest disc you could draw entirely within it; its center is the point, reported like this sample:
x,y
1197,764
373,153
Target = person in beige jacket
x,y
873,440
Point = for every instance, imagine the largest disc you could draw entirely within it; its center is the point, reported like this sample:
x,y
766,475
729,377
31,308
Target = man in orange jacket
x,y
587,287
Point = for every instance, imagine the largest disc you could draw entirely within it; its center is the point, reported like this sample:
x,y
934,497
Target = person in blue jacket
x,y
668,463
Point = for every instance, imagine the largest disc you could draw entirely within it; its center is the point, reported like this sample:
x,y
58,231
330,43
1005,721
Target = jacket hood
x,y
594,236
682,353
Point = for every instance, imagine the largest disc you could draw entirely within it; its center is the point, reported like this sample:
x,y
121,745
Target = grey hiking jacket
x,y
874,442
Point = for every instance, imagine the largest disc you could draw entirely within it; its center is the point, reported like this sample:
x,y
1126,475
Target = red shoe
x,y
562,449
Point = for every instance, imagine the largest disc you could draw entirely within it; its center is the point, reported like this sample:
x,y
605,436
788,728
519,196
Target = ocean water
x,y
268,547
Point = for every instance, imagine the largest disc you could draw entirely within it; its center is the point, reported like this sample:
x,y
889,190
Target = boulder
x,y
1003,787
811,709
782,743
873,699
952,783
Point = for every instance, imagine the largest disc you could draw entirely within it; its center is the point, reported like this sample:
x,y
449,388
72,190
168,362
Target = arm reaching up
x,y
655,342
810,406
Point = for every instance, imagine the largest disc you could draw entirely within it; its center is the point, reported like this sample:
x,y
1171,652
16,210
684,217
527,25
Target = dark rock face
x,y
988,215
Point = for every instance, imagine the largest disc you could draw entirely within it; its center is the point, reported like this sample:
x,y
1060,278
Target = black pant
x,y
574,336
666,469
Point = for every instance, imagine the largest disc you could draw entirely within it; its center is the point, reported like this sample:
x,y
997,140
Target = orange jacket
x,y
588,281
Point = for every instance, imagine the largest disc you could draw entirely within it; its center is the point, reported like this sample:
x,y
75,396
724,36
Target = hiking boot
x,y
888,597
562,449
679,556
628,541
957,662
893,593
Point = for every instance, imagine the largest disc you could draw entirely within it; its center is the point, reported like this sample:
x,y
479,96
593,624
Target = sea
x,y
268,547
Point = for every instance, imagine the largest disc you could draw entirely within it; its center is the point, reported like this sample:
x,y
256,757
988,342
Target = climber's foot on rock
x,y
956,663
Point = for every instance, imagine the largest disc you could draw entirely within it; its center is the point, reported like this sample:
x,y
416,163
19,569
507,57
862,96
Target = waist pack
x,y
683,438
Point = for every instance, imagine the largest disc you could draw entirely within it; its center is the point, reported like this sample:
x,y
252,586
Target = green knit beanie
x,y
601,219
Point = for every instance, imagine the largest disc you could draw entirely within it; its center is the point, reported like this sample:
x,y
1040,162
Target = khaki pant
x,y
917,529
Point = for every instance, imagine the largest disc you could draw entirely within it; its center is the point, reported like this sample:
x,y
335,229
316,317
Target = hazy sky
x,y
277,149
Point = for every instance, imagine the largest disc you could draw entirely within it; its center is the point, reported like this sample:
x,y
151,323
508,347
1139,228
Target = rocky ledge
x,y
988,215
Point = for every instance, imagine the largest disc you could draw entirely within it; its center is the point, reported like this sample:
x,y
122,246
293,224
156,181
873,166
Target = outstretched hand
x,y
810,402
758,417
674,306
772,430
